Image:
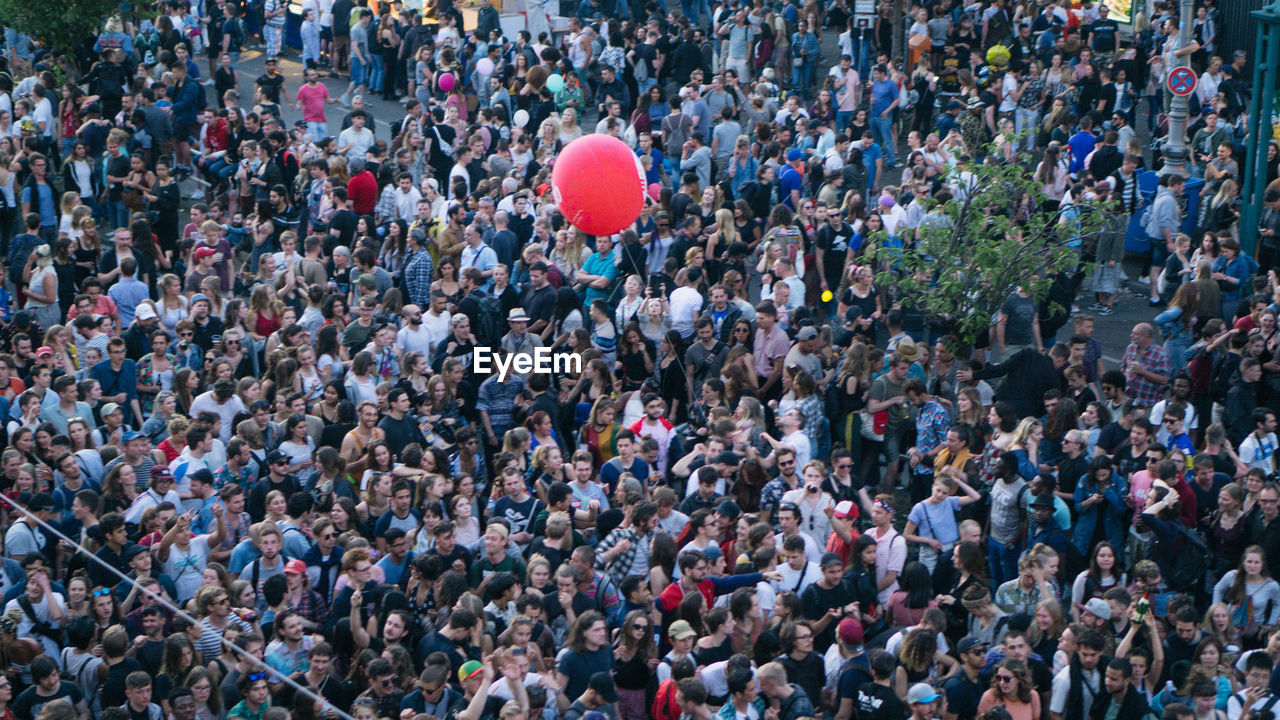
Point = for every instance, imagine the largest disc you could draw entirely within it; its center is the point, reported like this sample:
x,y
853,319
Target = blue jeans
x,y
802,78
1003,561
117,214
882,130
843,119
376,73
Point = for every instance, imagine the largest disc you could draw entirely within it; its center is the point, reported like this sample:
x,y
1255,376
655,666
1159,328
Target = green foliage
x,y
64,24
968,255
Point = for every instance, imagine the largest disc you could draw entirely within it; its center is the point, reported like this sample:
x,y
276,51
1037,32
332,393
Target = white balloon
x,y
521,118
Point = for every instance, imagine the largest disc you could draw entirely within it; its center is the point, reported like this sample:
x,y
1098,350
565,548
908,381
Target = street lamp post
x,y
1177,155
1266,65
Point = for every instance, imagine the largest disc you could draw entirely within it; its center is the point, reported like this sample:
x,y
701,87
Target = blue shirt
x,y
870,155
48,211
790,179
883,93
1081,144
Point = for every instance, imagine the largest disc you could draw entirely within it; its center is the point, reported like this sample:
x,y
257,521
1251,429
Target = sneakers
x,y
1106,310
346,101
197,195
208,83
1097,307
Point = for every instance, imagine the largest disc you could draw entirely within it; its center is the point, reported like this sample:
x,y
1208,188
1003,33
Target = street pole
x,y
1177,154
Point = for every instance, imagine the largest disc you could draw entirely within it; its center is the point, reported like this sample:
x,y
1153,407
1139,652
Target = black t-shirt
x,y
271,85
29,703
834,243
1102,35
817,600
963,696
113,687
539,303
876,702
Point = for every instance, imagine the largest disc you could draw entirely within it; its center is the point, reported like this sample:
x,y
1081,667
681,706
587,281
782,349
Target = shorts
x,y
182,130
895,438
1159,252
359,72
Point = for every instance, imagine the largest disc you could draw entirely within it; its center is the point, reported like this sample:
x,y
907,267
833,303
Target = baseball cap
x,y
44,350
794,154
40,501
1044,500
852,314
469,668
133,551
969,642
146,312
849,631
198,297
921,693
602,683
1098,607
712,553
295,567
277,456
846,508
367,281
807,333
681,629
130,435
955,105
204,252
109,408
160,472
830,559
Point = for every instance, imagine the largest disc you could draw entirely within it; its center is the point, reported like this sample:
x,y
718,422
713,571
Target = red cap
x,y
203,252
295,567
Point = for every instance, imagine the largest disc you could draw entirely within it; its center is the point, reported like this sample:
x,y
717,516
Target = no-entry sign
x,y
1181,81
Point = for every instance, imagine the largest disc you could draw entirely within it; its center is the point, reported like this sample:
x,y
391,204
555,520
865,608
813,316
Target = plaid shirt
x,y
1013,598
1142,391
932,423
387,209
618,567
417,277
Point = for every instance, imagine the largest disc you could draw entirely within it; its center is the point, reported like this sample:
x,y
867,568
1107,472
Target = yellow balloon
x,y
826,296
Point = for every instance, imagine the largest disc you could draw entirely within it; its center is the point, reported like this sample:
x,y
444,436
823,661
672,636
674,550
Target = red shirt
x,y
362,191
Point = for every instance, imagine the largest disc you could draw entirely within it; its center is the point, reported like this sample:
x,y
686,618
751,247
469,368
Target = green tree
x,y
64,24
971,252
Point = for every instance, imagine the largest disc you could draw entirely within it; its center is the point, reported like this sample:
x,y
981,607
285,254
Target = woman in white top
x,y
631,306
308,380
297,445
361,386
42,287
1249,592
172,305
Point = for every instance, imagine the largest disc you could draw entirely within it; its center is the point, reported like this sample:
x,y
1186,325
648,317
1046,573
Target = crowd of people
x,y
251,472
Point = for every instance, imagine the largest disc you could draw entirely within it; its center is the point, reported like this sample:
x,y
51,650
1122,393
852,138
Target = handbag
x,y
873,424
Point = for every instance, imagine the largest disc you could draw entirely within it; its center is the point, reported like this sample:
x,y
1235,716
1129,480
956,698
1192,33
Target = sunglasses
x,y
101,592
1005,678
257,676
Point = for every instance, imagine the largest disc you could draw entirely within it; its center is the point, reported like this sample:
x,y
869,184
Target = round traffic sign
x,y
1181,81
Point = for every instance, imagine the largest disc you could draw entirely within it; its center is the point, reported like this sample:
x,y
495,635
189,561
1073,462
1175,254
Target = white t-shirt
x,y
186,567
26,624
685,302
22,539
420,340
1259,453
437,327
795,580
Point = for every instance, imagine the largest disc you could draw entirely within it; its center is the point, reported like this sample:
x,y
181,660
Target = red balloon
x,y
600,186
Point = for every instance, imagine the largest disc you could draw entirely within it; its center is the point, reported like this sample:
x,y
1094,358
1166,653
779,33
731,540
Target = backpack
x,y
1194,561
488,319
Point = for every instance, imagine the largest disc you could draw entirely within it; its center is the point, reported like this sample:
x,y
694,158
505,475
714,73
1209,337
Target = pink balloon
x,y
595,178
447,82
655,191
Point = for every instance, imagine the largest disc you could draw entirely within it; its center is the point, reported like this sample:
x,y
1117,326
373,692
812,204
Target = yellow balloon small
x,y
826,296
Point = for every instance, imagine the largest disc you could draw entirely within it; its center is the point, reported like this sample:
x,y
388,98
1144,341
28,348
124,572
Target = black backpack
x,y
488,328
1193,561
